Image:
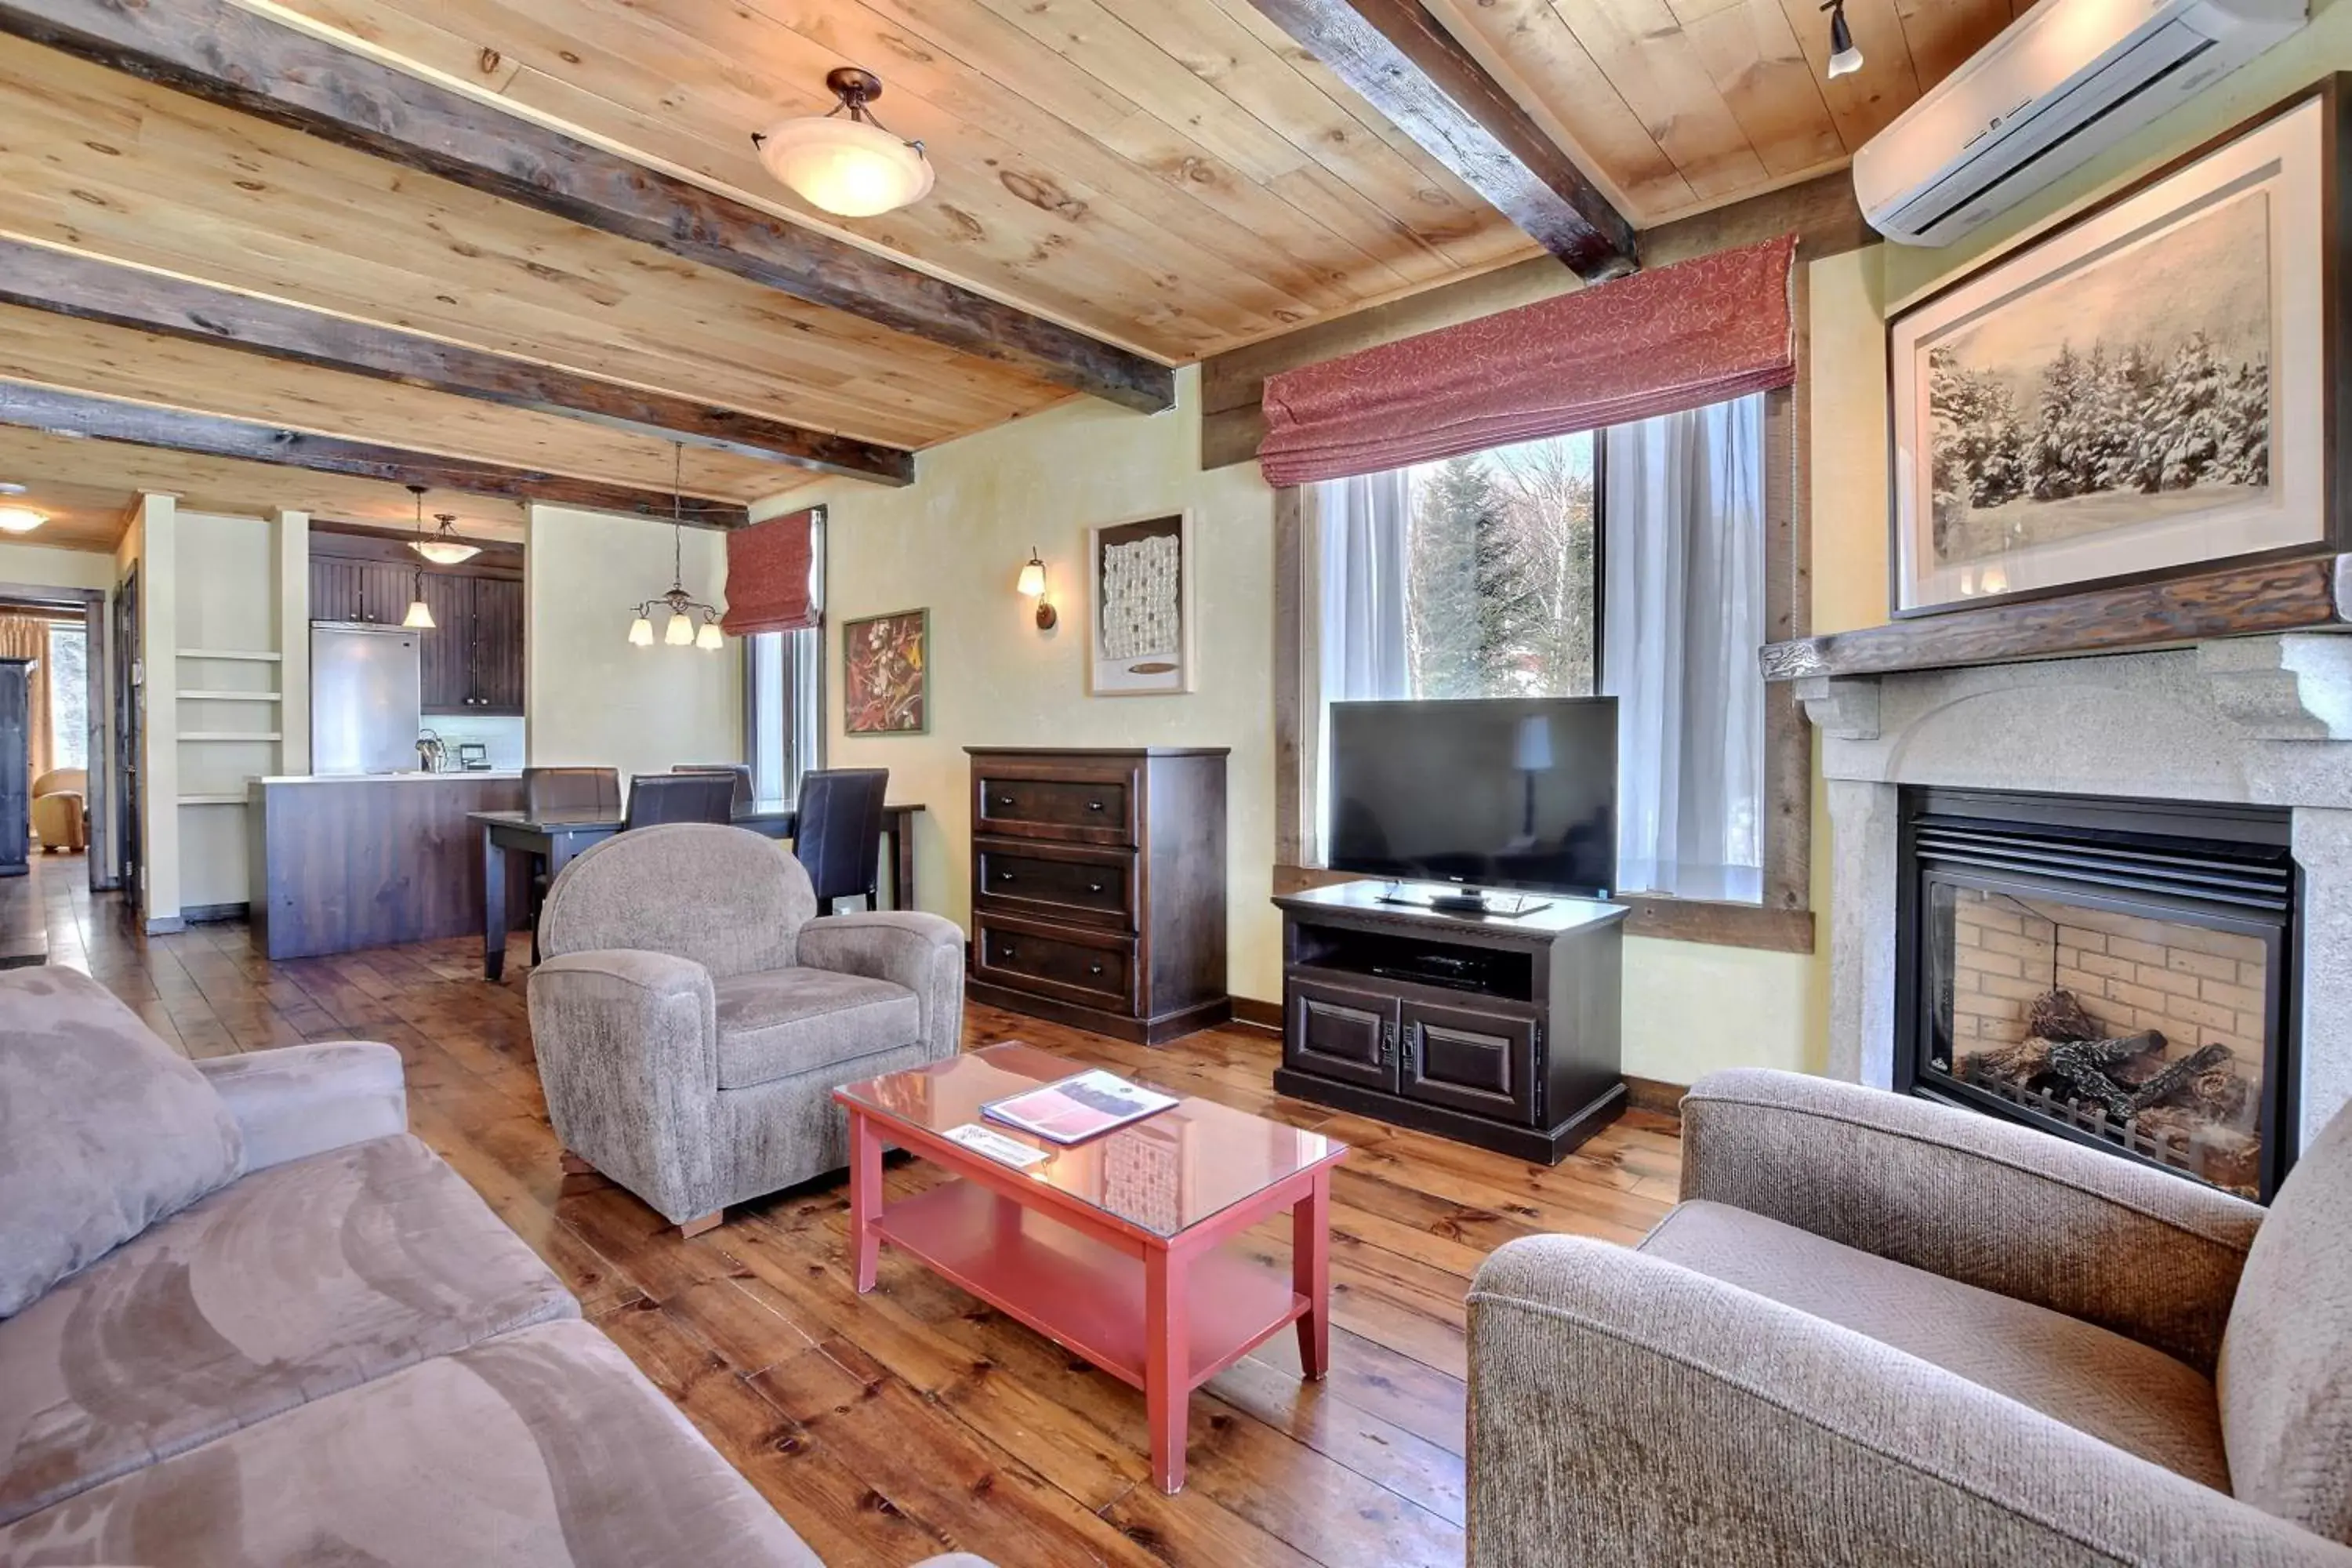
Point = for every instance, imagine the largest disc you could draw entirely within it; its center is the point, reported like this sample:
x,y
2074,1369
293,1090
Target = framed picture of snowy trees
x,y
1140,606
2142,391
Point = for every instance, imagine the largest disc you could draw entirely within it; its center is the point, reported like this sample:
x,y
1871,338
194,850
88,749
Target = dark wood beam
x,y
87,288
214,50
77,414
1409,67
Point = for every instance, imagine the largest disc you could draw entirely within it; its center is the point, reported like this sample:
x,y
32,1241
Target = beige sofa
x,y
1879,1330
335,1353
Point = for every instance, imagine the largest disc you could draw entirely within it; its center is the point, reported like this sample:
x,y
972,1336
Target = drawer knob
x,y
1094,805
1004,800
1094,968
1004,875
1010,951
1094,886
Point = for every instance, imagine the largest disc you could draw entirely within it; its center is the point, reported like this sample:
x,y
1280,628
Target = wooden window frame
x,y
1783,920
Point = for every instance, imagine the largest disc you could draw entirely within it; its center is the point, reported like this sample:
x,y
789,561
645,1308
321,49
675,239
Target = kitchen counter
x,y
372,861
411,776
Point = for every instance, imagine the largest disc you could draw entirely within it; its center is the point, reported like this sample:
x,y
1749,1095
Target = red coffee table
x,y
1110,1248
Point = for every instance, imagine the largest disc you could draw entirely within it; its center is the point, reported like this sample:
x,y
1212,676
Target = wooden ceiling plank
x,y
87,288
1765,78
1408,67
1942,33
175,184
1864,102
216,51
1643,51
59,411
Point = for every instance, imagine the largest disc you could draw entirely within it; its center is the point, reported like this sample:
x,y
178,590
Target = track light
x,y
1844,58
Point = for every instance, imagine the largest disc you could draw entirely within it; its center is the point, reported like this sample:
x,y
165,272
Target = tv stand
x,y
1497,1031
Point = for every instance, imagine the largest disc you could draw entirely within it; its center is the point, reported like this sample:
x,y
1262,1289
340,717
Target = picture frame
x,y
1140,606
886,674
2151,388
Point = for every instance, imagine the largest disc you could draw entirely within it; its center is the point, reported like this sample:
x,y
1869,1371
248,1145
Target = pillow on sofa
x,y
104,1129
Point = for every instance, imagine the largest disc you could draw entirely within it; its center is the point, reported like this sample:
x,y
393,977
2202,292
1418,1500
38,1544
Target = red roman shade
x,y
768,577
1696,332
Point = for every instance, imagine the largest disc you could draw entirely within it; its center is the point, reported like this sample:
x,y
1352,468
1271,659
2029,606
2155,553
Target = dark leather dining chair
x,y
839,837
585,791
739,772
679,798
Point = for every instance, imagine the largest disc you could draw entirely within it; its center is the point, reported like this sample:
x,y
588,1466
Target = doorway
x,y
65,629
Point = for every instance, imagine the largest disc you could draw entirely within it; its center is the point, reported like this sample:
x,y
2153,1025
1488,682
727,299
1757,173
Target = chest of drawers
x,y
1098,887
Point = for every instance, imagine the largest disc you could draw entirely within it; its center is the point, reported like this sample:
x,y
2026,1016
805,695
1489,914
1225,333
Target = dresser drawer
x,y
1094,968
1076,804
1079,883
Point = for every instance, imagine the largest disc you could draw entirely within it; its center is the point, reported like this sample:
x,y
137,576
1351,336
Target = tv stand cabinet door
x,y
1481,1062
1341,1033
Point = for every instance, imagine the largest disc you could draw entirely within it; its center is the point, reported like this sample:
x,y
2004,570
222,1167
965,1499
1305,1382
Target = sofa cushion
x,y
539,1449
782,1022
2287,1360
291,1284
104,1129
2099,1383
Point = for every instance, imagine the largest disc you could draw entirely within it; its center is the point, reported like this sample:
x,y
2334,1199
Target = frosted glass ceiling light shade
x,y
419,617
641,632
444,548
709,639
680,632
20,518
845,161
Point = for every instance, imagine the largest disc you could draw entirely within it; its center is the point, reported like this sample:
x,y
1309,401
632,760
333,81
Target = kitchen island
x,y
352,860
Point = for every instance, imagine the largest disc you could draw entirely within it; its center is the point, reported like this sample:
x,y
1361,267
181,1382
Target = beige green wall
x,y
48,566
593,701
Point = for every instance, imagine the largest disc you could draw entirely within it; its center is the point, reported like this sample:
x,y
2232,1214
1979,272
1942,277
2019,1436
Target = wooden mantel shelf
x,y
2311,594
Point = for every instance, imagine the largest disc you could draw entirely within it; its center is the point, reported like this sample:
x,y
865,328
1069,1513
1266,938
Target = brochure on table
x,y
1075,1109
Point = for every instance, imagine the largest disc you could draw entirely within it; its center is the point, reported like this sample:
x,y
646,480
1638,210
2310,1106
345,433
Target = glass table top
x,y
1164,1174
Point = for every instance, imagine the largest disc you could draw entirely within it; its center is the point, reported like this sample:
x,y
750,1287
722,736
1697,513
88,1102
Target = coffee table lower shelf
x,y
1086,1295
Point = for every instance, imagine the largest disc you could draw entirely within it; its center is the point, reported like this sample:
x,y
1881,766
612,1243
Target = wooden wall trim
x,y
1289,670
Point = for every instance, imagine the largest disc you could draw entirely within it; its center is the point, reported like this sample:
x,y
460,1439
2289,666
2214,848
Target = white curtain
x,y
1683,618
1357,534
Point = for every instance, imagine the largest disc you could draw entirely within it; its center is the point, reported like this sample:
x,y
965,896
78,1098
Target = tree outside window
x,y
68,666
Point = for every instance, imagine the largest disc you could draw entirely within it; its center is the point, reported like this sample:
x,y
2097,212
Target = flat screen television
x,y
1516,792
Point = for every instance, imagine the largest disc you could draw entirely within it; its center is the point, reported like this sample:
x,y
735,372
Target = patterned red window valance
x,y
1698,331
769,578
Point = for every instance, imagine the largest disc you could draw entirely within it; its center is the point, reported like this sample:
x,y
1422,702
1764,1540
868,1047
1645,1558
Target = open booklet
x,y
1077,1108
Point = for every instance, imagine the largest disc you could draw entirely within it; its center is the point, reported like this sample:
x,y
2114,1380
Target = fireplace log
x,y
2177,1076
2084,1065
2059,1015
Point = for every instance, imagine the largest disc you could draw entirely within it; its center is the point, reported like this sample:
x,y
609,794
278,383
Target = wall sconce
x,y
1032,585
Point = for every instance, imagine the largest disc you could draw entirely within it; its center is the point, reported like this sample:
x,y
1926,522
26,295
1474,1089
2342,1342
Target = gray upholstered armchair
x,y
691,1018
1886,1331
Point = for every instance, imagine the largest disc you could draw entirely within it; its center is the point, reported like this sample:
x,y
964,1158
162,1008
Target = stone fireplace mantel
x,y
2262,721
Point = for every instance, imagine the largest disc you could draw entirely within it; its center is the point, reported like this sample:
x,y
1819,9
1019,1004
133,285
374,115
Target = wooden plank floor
x,y
916,1420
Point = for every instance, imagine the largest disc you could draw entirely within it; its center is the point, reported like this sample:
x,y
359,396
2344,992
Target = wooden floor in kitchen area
x,y
916,1420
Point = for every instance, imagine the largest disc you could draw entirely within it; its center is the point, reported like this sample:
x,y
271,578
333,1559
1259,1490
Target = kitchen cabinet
x,y
343,589
474,655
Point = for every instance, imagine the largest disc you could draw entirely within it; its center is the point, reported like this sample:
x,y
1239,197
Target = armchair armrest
x,y
627,1043
2149,1256
922,952
299,1100
1624,1409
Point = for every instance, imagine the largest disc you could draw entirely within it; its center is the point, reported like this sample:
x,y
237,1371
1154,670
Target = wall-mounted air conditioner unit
x,y
2061,82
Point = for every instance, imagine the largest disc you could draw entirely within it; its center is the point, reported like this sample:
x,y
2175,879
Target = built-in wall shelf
x,y
236,799
254,655
230,696
187,735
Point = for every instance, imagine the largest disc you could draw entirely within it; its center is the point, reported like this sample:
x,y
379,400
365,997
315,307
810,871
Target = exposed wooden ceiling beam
x,y
217,51
61,413
88,288
1409,69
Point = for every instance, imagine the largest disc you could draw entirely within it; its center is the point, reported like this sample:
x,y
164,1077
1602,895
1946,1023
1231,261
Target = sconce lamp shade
x,y
1033,577
1532,752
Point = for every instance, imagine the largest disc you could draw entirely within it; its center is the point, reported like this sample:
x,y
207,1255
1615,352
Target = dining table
x,y
555,836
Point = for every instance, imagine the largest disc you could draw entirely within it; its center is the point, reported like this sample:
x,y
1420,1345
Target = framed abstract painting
x,y
886,674
2142,392
1139,605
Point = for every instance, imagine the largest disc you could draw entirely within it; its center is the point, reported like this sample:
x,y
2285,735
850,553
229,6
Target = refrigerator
x,y
365,694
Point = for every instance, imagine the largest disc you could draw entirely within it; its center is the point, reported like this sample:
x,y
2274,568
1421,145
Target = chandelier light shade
x,y
845,161
444,548
20,518
641,632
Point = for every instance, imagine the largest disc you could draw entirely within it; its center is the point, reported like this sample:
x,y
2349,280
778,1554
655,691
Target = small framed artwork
x,y
2144,391
1140,606
886,674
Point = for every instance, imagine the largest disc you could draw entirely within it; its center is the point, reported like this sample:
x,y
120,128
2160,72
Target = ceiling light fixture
x,y
420,614
444,548
1844,58
843,161
681,631
20,518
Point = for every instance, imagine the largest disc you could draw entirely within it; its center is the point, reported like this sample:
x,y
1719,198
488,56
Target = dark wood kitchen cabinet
x,y
472,661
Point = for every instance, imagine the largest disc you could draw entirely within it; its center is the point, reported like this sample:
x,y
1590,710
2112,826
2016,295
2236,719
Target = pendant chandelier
x,y
444,548
420,614
843,161
681,630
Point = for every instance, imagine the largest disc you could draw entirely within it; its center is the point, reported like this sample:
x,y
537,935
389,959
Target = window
x,y
69,695
784,694
1630,563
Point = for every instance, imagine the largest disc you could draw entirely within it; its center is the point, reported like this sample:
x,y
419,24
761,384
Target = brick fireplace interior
x,y
2115,973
